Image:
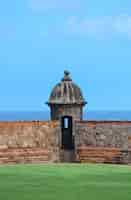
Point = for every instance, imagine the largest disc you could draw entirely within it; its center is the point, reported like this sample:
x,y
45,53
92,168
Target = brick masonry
x,y
103,141
28,142
40,142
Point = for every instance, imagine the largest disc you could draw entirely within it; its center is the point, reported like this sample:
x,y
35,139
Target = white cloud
x,y
123,25
99,27
55,5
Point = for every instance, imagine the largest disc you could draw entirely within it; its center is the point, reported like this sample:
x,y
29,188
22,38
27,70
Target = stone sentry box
x,y
66,104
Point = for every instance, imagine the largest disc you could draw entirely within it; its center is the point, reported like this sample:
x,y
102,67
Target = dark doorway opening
x,y
67,136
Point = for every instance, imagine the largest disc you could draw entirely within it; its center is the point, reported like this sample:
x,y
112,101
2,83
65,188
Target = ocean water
x,y
42,115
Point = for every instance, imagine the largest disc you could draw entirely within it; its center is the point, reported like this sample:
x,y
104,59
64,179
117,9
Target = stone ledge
x,y
102,122
51,124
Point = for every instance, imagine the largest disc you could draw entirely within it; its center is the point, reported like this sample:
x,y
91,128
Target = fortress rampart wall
x,y
28,142
103,141
40,141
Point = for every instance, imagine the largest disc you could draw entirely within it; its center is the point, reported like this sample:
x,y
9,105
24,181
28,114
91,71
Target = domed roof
x,y
66,92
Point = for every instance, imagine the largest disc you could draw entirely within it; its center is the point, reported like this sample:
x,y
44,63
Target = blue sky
x,y
39,39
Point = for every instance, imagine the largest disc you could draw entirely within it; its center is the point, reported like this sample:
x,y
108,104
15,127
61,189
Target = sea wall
x,y
40,142
29,142
103,141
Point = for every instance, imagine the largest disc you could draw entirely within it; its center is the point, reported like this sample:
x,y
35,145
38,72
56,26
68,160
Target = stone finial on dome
x,y
66,76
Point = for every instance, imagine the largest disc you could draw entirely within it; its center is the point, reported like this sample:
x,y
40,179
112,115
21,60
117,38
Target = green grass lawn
x,y
65,182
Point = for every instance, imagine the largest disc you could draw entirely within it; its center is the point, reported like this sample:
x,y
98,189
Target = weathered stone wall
x,y
102,137
24,142
129,145
66,110
31,142
102,134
